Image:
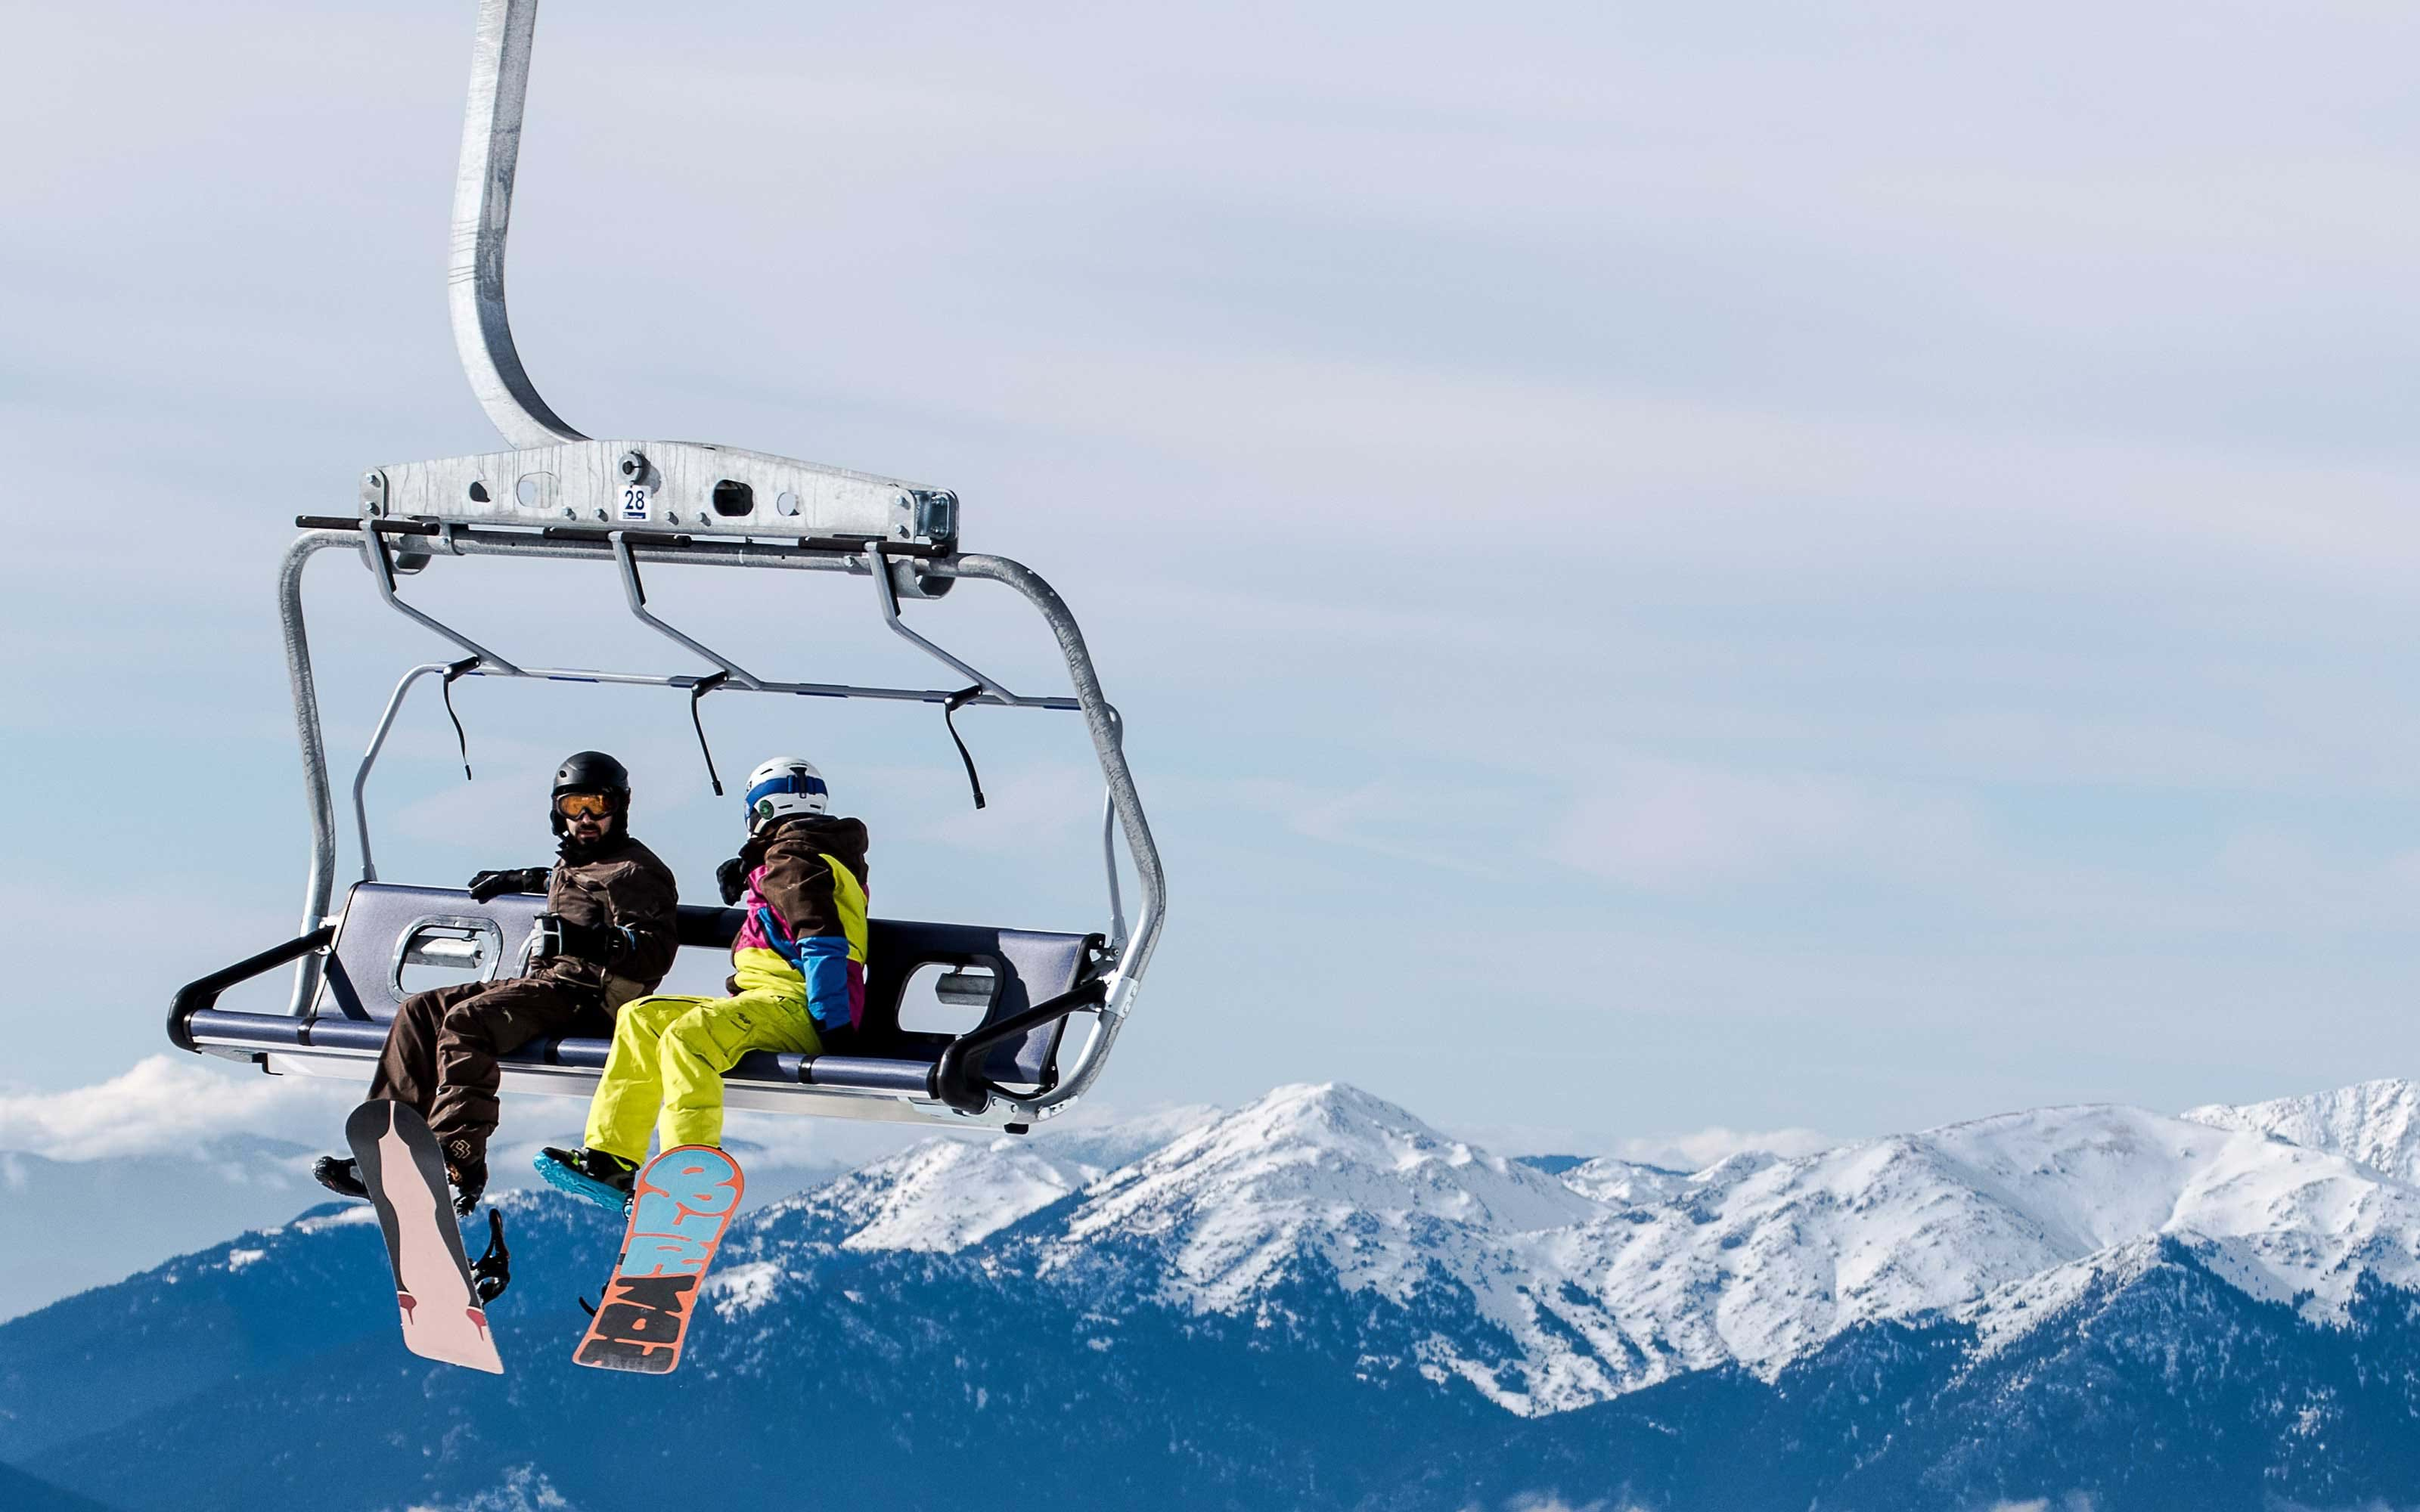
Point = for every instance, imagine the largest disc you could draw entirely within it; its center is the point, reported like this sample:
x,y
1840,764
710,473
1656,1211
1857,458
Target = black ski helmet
x,y
591,771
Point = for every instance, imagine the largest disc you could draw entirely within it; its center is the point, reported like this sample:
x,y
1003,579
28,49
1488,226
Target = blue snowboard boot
x,y
590,1175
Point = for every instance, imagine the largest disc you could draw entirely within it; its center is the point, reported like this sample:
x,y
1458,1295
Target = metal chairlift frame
x,y
558,494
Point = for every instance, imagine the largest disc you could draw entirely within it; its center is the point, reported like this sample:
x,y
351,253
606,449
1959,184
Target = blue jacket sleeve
x,y
835,984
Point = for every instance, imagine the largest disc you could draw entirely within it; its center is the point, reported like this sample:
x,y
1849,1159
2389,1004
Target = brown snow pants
x,y
440,1051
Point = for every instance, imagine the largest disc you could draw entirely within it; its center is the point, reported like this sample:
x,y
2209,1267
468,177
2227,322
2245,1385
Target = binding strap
x,y
492,1273
950,708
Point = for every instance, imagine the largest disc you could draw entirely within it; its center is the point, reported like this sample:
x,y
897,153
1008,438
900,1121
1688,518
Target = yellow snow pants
x,y
668,1058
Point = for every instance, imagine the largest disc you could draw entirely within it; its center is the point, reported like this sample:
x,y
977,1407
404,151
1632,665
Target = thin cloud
x,y
1692,1150
170,1104
1675,828
1713,1144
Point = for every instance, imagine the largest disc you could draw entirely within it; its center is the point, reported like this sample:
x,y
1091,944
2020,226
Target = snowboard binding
x,y
492,1271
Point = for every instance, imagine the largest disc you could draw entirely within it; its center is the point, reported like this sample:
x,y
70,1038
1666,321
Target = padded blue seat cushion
x,y
363,992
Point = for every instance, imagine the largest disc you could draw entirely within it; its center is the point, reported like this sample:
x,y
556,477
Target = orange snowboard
x,y
682,1206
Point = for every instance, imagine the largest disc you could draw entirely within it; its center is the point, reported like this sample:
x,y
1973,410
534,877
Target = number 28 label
x,y
634,501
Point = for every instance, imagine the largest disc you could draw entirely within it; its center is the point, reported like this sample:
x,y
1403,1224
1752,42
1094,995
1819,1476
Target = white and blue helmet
x,y
784,786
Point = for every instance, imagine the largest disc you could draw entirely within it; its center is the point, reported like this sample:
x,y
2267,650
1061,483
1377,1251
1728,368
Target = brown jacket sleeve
x,y
643,898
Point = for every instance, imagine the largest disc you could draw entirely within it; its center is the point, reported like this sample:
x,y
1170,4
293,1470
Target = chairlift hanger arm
x,y
485,175
483,209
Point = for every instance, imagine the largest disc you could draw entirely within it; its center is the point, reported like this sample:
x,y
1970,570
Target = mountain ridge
x,y
1319,1298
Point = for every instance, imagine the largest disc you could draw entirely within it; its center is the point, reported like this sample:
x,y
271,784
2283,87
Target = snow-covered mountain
x,y
1625,1183
1758,1260
1319,1298
1613,1277
2377,1123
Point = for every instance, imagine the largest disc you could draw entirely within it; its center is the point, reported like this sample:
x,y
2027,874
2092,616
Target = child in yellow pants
x,y
669,1057
798,984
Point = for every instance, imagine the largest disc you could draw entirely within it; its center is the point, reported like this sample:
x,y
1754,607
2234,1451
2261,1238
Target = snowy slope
x,y
1625,1183
2377,1123
1327,1169
946,1193
1756,1261
1761,1263
1547,1293
941,1195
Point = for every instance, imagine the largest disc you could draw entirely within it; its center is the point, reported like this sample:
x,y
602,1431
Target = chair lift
x,y
561,496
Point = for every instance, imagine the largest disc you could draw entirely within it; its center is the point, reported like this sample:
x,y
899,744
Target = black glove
x,y
603,944
838,1039
732,877
523,879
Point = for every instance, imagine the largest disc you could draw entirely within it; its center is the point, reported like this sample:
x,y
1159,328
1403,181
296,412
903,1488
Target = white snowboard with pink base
x,y
401,1166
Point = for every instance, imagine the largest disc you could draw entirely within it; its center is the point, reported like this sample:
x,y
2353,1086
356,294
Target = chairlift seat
x,y
386,928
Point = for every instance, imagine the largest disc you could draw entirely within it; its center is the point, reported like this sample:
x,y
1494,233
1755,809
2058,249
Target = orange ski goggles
x,y
584,806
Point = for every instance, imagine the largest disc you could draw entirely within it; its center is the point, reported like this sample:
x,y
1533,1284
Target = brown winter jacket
x,y
617,883
804,922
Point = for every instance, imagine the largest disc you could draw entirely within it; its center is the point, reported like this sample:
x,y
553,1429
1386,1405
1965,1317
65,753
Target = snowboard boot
x,y
339,1174
590,1175
466,1167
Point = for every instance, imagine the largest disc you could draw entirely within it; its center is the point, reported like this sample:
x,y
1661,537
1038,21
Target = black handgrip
x,y
197,995
954,1080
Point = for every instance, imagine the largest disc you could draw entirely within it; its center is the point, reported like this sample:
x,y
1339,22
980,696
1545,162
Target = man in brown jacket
x,y
608,936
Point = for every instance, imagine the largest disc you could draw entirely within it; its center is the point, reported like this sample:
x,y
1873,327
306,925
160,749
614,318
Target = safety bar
x,y
197,995
488,663
565,674
954,1080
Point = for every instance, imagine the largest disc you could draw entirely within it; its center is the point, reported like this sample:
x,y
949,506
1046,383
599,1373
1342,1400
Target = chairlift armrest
x,y
197,995
956,1080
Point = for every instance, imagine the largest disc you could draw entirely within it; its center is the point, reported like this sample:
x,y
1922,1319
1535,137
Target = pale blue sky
x,y
1842,568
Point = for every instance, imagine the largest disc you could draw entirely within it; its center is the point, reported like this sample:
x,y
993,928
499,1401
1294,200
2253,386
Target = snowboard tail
x,y
401,1166
680,1212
